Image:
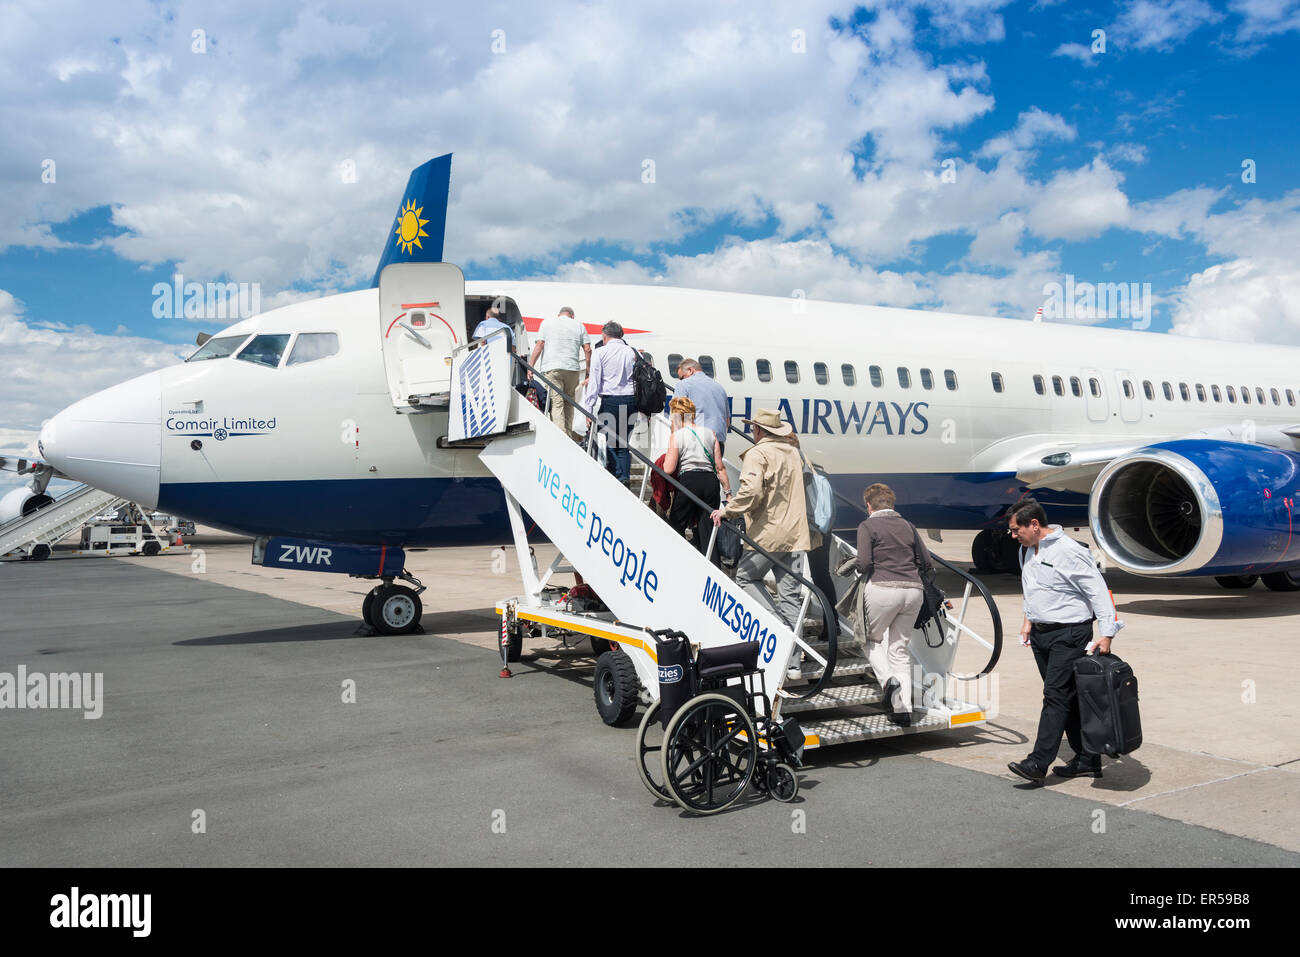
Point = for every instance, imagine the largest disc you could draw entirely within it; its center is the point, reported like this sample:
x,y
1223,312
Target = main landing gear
x,y
392,609
995,552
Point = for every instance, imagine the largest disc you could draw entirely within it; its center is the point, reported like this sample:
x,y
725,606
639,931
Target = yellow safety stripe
x,y
957,719
585,630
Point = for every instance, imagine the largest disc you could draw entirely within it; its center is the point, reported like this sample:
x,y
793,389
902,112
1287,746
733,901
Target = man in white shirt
x,y
565,353
1064,592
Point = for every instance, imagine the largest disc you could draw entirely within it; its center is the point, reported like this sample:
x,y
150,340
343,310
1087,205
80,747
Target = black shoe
x,y
1079,767
887,692
1028,770
901,718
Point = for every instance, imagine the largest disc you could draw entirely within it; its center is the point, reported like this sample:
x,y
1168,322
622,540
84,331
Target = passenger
x,y
891,559
610,377
771,498
492,322
695,459
561,345
1064,592
710,399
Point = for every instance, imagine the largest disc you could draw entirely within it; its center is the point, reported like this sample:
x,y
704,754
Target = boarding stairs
x,y
34,535
596,523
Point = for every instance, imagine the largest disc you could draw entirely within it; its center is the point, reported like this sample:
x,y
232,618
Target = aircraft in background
x,y
322,423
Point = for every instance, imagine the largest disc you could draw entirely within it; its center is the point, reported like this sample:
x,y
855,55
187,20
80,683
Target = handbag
x,y
729,544
932,596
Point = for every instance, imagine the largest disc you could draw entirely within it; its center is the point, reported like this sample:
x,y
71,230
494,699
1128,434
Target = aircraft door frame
x,y
1130,407
1098,406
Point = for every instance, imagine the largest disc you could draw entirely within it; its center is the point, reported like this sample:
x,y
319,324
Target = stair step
x,y
836,696
843,667
820,734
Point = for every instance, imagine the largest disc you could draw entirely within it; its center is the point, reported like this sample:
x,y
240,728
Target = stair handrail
x,y
830,625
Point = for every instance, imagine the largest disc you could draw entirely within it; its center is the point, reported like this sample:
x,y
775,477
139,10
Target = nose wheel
x,y
392,609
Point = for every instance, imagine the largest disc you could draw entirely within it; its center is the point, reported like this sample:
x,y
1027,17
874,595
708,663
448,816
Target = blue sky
x,y
792,151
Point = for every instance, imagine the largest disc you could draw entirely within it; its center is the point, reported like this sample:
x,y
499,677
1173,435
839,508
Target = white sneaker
x,y
795,671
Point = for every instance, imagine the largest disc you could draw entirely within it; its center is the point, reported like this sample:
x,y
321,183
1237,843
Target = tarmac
x,y
245,722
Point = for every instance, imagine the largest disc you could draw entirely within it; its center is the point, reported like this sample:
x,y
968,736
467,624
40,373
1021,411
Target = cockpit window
x,y
218,348
264,350
310,346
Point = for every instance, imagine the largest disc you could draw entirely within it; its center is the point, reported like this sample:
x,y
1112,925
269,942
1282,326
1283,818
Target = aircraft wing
x,y
1073,466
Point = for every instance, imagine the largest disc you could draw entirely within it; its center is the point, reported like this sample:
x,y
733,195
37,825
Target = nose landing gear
x,y
391,609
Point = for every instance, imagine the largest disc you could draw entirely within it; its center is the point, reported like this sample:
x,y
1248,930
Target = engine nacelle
x,y
21,501
1199,507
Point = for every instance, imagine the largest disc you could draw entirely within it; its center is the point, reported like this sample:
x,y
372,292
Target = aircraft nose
x,y
112,439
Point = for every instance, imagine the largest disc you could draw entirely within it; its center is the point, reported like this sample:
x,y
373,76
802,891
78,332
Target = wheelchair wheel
x,y
649,753
709,753
782,782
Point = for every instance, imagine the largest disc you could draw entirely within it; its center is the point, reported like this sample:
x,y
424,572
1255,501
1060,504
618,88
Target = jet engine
x,y
1201,507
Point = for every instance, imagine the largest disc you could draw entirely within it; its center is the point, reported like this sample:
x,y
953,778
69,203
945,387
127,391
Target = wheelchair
x,y
709,736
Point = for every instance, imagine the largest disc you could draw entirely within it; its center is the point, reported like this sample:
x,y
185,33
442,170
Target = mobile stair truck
x,y
675,633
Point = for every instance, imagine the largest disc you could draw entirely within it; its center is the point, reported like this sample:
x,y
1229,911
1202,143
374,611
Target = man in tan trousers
x,y
891,558
565,352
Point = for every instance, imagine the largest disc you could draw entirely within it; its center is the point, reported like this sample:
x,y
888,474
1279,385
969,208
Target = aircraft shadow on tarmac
x,y
1198,598
437,624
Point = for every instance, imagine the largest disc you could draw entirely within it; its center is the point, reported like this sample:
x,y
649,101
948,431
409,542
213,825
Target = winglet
x,y
417,232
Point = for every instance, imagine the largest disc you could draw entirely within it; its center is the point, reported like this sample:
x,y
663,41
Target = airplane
x,y
320,425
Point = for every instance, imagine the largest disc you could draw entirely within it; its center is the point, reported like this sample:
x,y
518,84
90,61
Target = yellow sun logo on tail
x,y
410,227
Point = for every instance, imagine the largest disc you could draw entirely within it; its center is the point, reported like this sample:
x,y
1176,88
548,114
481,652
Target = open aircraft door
x,y
422,320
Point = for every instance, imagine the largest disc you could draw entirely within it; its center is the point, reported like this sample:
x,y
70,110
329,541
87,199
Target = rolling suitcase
x,y
1108,705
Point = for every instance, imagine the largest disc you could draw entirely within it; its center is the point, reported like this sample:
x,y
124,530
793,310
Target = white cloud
x,y
1265,18
1077,51
1079,204
1162,24
47,369
1032,126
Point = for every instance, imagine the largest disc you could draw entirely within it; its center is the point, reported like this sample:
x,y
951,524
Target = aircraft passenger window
x,y
1245,394
1232,394
1095,388
1259,394
904,377
927,379
877,379
1214,391
1038,385
850,377
950,380
1128,389
820,374
1277,399
310,346
764,370
674,360
1058,385
706,365
1290,397
1076,387
736,369
997,382
1168,390
218,348
1200,391
264,350
1147,390
791,371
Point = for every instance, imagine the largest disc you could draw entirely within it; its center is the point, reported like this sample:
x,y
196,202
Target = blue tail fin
x,y
421,221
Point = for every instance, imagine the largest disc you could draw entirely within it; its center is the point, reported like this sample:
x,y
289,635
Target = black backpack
x,y
648,387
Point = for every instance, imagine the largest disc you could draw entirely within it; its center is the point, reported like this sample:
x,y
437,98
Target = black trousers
x,y
819,561
1055,650
685,513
